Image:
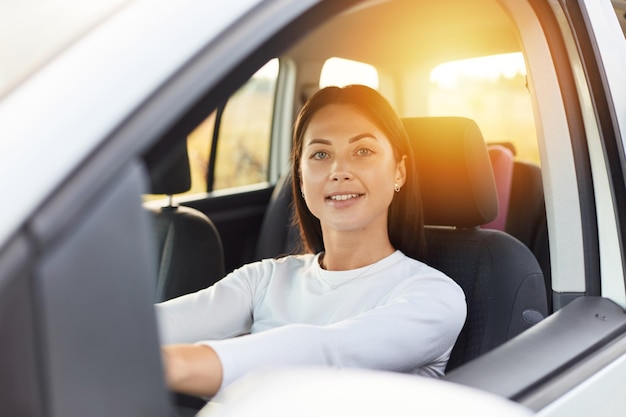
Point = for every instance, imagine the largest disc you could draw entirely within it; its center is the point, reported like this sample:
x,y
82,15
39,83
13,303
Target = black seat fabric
x,y
501,278
189,247
526,219
278,235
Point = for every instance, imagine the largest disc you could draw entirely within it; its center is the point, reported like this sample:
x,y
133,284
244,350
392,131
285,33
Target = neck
x,y
342,254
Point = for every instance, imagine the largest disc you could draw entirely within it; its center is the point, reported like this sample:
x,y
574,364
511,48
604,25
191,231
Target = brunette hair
x,y
405,221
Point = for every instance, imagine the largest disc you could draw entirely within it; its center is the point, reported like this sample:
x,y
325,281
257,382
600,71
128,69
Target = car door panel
x,y
548,354
594,387
93,285
19,374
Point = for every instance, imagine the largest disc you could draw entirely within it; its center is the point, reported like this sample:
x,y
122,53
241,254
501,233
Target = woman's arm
x,y
413,331
192,369
221,311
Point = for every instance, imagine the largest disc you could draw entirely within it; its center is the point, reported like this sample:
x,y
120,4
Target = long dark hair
x,y
405,221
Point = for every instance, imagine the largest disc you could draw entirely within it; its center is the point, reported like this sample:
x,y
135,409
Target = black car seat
x,y
501,278
278,235
525,216
189,247
526,219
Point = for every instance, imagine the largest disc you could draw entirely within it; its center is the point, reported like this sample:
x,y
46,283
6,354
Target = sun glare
x,y
492,91
342,72
487,68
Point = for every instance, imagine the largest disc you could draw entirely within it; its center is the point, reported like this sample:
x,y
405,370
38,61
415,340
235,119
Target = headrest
x,y
456,178
168,167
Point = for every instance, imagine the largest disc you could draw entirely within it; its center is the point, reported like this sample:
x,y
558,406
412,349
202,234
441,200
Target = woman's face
x,y
348,170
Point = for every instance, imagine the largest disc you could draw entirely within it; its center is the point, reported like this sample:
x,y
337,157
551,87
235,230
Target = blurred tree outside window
x,y
243,145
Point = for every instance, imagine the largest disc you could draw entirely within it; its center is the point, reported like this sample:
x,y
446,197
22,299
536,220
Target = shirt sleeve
x,y
221,311
412,331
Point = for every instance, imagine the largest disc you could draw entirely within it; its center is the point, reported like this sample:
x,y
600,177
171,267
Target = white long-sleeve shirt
x,y
397,314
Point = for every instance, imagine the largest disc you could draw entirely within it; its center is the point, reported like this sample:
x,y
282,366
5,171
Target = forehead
x,y
340,121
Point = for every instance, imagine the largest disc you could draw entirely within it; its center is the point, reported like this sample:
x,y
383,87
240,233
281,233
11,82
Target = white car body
x,y
80,121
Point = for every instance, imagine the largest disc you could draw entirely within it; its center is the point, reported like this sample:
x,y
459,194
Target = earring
x,y
396,188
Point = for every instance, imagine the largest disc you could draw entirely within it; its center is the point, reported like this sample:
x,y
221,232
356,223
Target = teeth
x,y
343,197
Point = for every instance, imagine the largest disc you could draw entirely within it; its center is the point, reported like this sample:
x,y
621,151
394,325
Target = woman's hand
x,y
192,369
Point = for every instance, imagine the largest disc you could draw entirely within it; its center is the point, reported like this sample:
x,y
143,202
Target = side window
x,y
241,130
491,90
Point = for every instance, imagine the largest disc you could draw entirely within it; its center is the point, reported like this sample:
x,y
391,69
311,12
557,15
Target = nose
x,y
341,171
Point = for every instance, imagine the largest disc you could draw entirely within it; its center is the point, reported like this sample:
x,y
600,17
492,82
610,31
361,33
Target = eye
x,y
364,152
319,155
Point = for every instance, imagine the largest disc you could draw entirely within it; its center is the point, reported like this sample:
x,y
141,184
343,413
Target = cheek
x,y
311,174
383,176
387,184
387,189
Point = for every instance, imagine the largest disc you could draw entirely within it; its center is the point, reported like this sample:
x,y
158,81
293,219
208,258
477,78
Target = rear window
x,y
493,91
342,72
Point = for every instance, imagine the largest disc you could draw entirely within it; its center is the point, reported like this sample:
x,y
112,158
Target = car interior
x,y
487,230
198,181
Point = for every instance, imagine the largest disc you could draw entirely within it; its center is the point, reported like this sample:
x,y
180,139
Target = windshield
x,y
32,31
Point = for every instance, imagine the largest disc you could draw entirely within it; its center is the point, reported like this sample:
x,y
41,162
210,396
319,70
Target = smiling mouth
x,y
344,197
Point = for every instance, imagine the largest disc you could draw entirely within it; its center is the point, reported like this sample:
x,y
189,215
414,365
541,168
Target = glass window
x,y
342,72
491,90
243,142
199,150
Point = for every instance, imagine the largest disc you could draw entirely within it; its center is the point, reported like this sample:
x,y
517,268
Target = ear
x,y
401,171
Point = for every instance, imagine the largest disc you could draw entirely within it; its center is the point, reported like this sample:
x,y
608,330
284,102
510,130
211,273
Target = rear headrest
x,y
168,167
502,162
456,178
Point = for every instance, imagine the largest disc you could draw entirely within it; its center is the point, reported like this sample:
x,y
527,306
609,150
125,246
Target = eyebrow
x,y
351,140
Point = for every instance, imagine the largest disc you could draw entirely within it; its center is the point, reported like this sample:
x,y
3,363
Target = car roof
x,y
40,30
400,34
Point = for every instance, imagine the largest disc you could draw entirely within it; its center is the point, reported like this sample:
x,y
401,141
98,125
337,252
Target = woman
x,y
357,297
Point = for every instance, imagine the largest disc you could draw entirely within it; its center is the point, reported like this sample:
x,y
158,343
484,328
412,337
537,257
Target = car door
x,y
595,381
